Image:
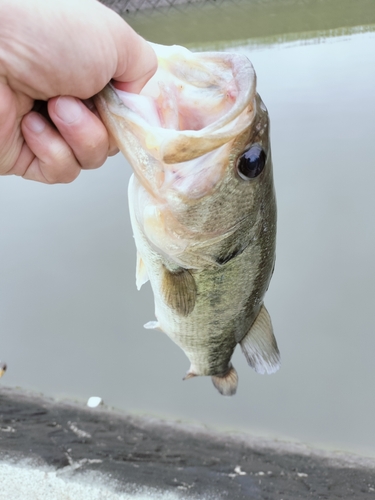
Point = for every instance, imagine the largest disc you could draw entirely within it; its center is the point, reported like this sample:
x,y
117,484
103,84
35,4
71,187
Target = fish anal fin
x,y
179,290
141,275
259,345
227,383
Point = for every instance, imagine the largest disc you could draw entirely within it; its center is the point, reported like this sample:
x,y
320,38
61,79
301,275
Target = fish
x,y
202,206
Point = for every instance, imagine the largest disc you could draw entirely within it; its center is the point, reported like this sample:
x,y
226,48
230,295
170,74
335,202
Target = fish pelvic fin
x,y
179,290
141,275
259,345
227,383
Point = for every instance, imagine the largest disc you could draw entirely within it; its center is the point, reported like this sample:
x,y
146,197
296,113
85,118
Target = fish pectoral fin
x,y
141,274
227,383
229,255
259,345
179,290
152,325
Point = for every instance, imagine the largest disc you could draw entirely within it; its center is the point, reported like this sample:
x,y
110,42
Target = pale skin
x,y
62,52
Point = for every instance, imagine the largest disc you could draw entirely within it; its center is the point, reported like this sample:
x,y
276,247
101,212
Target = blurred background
x,y
70,315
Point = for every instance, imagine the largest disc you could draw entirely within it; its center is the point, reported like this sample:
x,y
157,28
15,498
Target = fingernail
x,y
68,109
35,123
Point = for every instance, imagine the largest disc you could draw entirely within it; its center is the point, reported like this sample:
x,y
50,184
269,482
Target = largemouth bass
x,y
202,206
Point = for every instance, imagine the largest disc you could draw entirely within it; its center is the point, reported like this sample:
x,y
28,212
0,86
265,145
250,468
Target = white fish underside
x,y
202,206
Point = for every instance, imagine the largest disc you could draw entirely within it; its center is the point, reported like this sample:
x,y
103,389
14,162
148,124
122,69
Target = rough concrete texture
x,y
132,457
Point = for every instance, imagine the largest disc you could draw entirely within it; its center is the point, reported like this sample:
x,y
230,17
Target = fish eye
x,y
252,162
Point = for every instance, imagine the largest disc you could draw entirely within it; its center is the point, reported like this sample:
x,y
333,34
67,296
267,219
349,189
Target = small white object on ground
x,y
238,471
94,401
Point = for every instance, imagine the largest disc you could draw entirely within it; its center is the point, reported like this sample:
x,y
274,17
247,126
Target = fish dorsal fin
x,y
141,274
226,384
259,345
179,290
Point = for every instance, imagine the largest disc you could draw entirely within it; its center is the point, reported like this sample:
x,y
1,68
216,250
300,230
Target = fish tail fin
x,y
227,383
259,345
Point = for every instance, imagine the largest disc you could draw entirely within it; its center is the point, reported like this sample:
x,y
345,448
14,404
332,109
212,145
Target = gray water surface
x,y
71,318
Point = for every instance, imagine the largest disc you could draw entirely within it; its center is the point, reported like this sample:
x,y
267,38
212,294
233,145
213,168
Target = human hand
x,y
61,52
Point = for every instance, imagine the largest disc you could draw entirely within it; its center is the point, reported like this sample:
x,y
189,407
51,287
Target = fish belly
x,y
221,317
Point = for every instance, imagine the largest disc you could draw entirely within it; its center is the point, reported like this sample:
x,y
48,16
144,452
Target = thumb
x,y
137,60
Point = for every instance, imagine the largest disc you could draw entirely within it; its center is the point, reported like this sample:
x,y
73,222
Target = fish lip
x,y
174,146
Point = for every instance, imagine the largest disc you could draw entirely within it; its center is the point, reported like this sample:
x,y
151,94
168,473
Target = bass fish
x,y
202,206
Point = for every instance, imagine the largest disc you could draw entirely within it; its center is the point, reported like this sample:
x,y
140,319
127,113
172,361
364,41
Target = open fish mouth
x,y
193,105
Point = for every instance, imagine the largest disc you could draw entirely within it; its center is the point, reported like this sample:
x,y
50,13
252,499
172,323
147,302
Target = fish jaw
x,y
214,95
194,104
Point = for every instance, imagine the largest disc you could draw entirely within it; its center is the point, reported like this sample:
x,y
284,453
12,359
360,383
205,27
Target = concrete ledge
x,y
132,454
